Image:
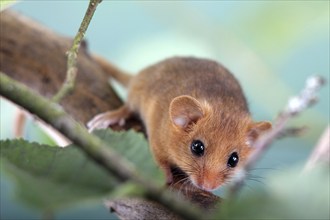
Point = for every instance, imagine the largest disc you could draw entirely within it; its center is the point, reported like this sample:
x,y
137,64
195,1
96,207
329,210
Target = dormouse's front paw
x,y
110,118
104,120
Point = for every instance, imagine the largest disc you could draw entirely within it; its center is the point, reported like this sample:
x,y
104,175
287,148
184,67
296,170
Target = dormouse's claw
x,y
90,130
89,124
122,122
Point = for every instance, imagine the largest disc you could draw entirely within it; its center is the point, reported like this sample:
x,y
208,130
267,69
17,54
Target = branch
x,y
292,132
296,105
35,56
71,72
136,208
95,148
142,209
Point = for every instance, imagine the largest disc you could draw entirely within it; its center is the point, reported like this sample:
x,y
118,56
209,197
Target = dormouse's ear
x,y
256,130
185,110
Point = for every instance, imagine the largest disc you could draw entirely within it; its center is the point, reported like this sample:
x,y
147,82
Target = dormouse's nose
x,y
209,186
209,181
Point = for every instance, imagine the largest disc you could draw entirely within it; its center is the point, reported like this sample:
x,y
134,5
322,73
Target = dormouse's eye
x,y
197,148
233,160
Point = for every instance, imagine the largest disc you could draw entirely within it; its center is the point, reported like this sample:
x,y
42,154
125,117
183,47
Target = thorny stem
x,y
72,54
295,105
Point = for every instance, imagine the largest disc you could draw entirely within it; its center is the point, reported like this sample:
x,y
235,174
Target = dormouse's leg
x,y
106,119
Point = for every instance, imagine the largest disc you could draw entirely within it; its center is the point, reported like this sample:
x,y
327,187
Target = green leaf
x,y
134,147
51,178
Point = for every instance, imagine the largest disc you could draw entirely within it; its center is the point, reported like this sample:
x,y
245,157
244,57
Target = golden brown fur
x,y
185,99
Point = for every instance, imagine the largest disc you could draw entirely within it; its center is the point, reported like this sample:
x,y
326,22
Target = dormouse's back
x,y
201,78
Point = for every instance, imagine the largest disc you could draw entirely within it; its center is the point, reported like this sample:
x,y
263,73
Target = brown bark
x,y
35,56
134,208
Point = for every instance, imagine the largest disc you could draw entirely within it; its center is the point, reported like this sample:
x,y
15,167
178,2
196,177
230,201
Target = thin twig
x,y
292,132
296,105
95,148
72,54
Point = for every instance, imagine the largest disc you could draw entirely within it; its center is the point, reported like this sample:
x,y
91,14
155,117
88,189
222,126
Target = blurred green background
x,y
270,46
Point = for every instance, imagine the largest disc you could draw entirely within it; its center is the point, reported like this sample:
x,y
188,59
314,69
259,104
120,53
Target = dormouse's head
x,y
211,143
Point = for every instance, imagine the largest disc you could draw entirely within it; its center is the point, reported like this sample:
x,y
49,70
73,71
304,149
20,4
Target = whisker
x,y
254,176
181,181
264,168
249,187
256,180
183,186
